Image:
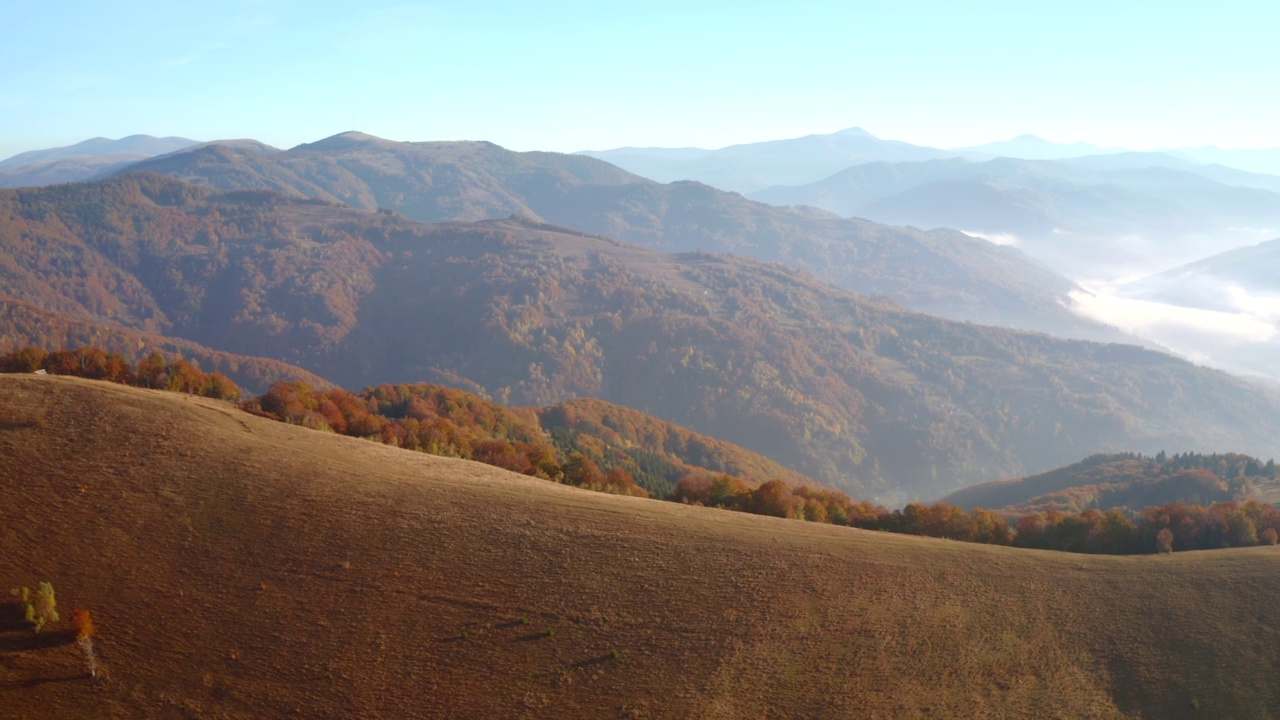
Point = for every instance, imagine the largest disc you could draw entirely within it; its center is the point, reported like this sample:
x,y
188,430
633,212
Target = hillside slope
x,y
240,568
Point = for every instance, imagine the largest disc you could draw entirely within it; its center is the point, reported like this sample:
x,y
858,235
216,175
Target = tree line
x,y
449,422
154,371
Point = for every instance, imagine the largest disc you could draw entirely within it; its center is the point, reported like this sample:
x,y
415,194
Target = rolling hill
x,y
1127,480
241,568
942,272
854,392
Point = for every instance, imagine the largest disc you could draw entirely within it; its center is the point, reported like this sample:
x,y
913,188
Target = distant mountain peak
x,y
344,140
855,132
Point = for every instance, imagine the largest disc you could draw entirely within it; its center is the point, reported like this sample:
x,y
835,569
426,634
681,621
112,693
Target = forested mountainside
x,y
851,391
1129,480
24,324
942,272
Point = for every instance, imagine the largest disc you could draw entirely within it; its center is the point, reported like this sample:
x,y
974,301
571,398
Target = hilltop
x,y
239,568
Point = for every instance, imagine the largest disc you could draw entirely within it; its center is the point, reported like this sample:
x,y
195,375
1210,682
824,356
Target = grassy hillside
x,y
943,272
851,391
241,568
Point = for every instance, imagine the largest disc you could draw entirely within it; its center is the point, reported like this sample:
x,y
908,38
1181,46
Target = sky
x,y
574,75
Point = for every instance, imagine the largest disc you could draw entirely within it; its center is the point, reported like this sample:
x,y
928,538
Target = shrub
x,y
1164,541
44,605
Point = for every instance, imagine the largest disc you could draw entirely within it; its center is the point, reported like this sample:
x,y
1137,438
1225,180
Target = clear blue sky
x,y
593,75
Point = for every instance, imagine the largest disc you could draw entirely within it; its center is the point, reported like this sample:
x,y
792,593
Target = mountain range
x,y
752,167
755,166
853,391
1096,216
943,272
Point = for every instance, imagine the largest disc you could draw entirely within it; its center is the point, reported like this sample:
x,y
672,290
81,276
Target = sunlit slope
x,y
241,568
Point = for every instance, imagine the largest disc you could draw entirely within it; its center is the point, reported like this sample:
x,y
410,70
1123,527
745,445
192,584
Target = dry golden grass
x,y
239,568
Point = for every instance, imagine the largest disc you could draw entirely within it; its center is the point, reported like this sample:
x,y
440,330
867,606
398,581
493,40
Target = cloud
x,y
996,238
1196,332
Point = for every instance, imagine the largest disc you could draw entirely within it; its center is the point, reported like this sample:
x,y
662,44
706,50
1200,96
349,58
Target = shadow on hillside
x,y
594,661
13,617
27,640
36,682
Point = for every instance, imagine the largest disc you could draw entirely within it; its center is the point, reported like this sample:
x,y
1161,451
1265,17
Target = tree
x,y
46,605
1164,541
82,622
1270,536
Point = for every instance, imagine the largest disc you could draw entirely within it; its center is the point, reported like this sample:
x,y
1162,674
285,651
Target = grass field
x,y
240,568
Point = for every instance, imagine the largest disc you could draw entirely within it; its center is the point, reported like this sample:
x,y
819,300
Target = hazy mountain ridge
x,y
1084,215
83,160
943,272
753,166
853,392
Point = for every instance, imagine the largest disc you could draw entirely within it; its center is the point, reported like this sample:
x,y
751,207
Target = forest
x,y
597,446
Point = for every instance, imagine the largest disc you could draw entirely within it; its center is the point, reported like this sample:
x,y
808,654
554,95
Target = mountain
x,y
1127,480
942,272
754,166
1087,217
83,160
1030,147
242,568
855,392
